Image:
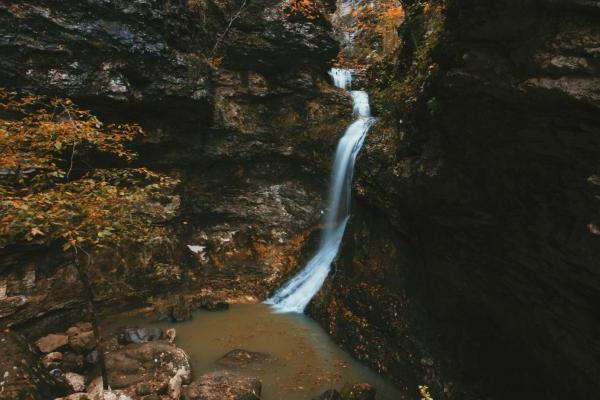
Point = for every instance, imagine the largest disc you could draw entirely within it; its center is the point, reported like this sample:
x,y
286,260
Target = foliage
x,y
373,15
308,9
402,81
50,192
424,392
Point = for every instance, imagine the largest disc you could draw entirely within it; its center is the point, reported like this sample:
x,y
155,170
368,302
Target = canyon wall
x,y
235,102
474,250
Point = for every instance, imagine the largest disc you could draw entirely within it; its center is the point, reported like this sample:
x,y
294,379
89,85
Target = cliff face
x,y
483,172
234,100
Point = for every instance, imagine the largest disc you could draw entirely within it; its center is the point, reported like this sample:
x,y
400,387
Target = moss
x,y
404,78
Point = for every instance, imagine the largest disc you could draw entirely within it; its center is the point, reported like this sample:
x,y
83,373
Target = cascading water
x,y
296,294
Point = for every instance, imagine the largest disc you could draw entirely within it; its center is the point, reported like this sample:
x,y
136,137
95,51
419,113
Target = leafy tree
x,y
50,193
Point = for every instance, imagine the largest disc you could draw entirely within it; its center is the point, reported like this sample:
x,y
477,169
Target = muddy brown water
x,y
305,361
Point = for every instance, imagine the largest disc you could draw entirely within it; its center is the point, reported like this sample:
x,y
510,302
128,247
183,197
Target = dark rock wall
x,y
486,181
235,101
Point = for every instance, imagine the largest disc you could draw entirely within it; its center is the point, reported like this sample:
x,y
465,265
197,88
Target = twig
x,y
83,277
74,145
71,163
231,21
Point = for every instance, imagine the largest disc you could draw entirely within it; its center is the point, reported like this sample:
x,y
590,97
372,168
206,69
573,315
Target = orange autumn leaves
x,y
35,134
50,192
371,15
309,9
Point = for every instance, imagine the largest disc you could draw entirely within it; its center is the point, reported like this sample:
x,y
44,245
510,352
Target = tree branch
x,y
231,21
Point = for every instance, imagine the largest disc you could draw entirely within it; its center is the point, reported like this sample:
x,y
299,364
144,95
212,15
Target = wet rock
x,y
143,389
52,360
213,305
176,383
10,305
359,391
95,387
21,376
72,362
181,311
81,338
223,386
105,395
75,381
154,363
92,357
240,358
140,335
175,309
171,334
52,342
79,396
330,394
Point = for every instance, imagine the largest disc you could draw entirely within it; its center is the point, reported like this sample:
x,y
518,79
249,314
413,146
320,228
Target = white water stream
x,y
295,295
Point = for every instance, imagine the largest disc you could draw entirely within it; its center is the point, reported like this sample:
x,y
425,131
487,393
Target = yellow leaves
x,y
381,18
86,212
215,61
40,140
393,13
35,232
43,131
309,9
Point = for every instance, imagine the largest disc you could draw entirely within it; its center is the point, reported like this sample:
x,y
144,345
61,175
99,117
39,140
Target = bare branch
x,y
226,31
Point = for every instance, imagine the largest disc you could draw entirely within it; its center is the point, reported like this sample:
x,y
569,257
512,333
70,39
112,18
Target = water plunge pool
x,y
304,360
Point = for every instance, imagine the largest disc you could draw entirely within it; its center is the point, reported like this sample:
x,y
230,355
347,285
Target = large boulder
x,y
154,364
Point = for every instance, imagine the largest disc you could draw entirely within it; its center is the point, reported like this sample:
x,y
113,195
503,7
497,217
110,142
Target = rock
x,y
330,394
240,358
79,396
21,376
140,335
154,363
92,357
52,360
176,382
223,385
72,362
213,305
95,388
81,338
171,334
174,310
143,389
52,342
359,391
114,395
181,311
75,381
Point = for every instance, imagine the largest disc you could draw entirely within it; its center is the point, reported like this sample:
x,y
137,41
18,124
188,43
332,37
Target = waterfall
x,y
295,295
